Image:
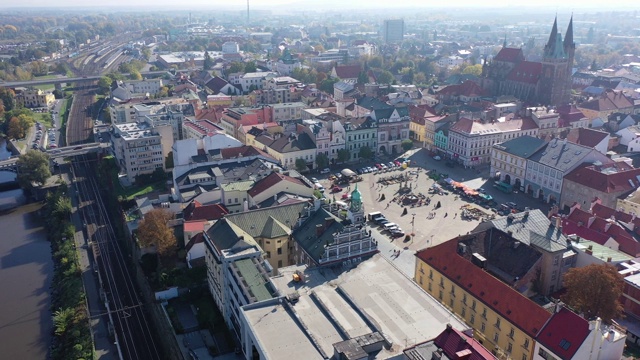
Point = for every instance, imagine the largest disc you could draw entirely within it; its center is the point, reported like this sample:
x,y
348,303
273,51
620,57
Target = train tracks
x,y
79,121
127,314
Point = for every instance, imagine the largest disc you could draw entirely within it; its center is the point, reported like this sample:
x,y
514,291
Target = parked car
x,y
398,163
437,158
336,189
379,166
314,180
325,171
397,233
512,205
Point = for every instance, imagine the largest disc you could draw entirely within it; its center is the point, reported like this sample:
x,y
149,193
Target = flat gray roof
x,y
342,303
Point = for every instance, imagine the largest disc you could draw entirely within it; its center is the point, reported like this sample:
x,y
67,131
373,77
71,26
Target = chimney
x,y
319,229
611,335
609,259
589,250
328,221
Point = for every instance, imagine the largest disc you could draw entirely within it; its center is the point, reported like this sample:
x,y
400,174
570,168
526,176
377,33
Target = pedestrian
x,y
445,214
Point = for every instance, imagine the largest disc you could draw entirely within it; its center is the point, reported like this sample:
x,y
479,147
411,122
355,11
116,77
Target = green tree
x,y
362,77
327,85
301,165
594,290
33,168
208,61
473,70
135,75
14,130
343,155
385,77
250,67
8,97
235,67
322,161
406,144
146,53
104,84
365,153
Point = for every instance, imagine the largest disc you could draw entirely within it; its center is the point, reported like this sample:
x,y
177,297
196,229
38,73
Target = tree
x,y
343,155
322,160
154,231
104,84
594,290
33,168
363,78
135,75
473,70
8,97
406,144
301,165
250,67
235,67
208,61
365,153
385,77
14,130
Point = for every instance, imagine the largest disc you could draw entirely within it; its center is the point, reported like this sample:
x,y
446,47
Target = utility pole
x,y
247,12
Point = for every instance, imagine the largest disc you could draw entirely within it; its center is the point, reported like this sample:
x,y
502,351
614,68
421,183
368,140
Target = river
x,y
26,271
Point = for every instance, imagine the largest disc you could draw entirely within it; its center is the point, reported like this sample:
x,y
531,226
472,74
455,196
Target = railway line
x,y
126,312
79,122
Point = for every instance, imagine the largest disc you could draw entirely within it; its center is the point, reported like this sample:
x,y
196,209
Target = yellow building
x,y
417,130
504,321
34,98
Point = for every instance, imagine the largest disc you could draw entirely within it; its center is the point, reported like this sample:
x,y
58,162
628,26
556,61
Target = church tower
x,y
555,83
356,210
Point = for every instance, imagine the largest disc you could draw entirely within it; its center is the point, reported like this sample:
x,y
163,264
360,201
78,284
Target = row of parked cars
x,y
387,226
380,167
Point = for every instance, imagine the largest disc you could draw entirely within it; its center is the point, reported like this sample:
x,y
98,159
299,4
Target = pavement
x,y
427,231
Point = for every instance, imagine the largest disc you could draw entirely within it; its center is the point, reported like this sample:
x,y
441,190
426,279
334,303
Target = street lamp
x,y
413,221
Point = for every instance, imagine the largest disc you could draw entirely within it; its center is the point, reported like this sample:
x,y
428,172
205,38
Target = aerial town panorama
x,y
339,180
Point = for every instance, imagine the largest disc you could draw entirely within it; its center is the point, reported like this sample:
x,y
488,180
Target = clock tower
x,y
356,210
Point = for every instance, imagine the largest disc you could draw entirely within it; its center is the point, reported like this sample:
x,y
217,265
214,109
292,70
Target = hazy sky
x,y
611,5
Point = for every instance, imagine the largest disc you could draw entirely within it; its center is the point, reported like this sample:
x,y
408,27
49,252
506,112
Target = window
x,y
496,336
484,313
472,319
525,357
453,291
464,299
441,282
564,344
279,263
511,333
483,327
509,347
451,303
279,251
473,305
464,312
498,323
526,343
545,355
269,254
440,295
429,287
430,274
420,279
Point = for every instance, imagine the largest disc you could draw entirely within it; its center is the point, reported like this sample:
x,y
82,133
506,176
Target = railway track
x,y
127,314
79,122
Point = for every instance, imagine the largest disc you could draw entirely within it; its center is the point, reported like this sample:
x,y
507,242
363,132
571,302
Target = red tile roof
x,y
504,300
600,230
510,55
586,137
526,72
468,88
242,151
454,343
213,114
608,101
194,226
592,177
196,211
269,181
348,71
564,333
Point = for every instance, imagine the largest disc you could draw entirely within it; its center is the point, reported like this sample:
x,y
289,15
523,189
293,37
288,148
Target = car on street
x,y
314,180
512,205
336,189
325,171
398,163
437,158
397,233
379,166
391,165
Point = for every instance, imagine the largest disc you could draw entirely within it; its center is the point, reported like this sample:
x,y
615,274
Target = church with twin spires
x,y
538,83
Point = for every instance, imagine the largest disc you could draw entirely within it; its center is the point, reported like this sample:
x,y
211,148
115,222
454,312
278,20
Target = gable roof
x,y
564,333
608,101
600,231
615,178
500,297
216,84
522,147
287,144
269,222
468,88
307,237
196,211
587,137
226,235
348,71
526,72
561,155
271,180
455,345
509,55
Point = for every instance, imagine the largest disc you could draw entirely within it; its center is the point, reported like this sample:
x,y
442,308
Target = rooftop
x,y
564,333
257,285
334,306
561,155
453,344
600,251
522,146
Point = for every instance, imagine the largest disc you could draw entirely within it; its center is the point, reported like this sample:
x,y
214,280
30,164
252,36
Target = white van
x,y
389,226
318,187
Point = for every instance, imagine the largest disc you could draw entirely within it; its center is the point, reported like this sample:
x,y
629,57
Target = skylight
x,y
564,344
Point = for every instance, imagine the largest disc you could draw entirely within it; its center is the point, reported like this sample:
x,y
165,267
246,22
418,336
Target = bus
x,y
504,187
